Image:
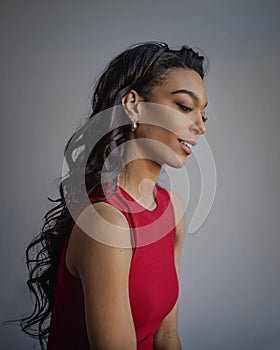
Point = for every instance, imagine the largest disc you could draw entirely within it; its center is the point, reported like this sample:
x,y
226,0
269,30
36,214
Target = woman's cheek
x,y
160,116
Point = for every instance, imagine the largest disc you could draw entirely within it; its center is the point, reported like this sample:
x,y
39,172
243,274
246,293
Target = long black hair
x,y
140,67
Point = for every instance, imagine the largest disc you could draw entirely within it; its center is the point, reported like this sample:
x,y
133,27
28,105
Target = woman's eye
x,y
184,108
188,109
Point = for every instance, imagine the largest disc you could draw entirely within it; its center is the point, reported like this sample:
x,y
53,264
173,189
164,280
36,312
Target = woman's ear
x,y
130,104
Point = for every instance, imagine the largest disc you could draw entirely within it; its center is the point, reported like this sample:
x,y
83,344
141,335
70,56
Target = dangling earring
x,y
133,126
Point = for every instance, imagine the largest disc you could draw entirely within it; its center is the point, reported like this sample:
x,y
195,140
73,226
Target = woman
x,y
108,269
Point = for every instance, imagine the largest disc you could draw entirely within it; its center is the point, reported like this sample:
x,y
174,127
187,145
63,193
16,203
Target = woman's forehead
x,y
184,79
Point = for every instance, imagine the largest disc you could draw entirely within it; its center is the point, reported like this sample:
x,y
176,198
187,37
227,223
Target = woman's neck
x,y
138,179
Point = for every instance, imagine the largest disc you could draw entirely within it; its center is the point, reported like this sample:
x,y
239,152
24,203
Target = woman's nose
x,y
199,127
202,129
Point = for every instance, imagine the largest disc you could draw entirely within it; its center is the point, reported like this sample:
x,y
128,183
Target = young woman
x,y
107,272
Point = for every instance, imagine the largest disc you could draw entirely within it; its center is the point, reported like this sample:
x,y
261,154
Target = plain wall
x,y
51,53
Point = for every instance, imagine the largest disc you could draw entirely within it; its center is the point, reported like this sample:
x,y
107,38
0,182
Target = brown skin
x,y
104,269
162,145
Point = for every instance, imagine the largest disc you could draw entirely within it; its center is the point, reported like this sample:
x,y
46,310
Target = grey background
x,y
51,52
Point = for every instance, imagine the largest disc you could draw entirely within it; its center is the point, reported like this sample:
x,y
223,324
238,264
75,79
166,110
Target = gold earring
x,y
133,126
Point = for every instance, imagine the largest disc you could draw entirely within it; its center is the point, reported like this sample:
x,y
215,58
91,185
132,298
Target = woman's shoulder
x,y
100,228
175,198
179,210
105,223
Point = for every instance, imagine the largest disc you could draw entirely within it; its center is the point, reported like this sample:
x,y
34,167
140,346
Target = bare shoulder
x,y
101,257
99,232
178,203
179,213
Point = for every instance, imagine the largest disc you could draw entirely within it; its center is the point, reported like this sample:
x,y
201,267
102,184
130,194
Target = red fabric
x,y
153,283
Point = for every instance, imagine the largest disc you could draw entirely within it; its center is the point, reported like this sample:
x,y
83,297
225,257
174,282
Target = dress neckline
x,y
129,197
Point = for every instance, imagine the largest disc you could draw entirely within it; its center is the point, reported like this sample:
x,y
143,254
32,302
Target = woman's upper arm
x,y
104,272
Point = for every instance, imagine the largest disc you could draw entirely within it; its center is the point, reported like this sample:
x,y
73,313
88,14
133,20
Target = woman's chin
x,y
176,162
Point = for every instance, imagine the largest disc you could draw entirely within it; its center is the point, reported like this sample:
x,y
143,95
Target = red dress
x,y
153,283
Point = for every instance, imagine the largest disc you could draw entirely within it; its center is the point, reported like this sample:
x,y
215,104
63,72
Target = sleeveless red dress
x,y
153,283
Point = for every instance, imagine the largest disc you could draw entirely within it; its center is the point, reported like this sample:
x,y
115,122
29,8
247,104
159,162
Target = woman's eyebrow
x,y
190,93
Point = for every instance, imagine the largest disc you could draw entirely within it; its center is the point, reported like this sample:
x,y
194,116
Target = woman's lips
x,y
186,148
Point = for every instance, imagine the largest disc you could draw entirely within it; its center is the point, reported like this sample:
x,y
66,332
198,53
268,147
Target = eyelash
x,y
184,108
188,109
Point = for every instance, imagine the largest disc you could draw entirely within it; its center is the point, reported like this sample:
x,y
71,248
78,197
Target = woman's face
x,y
173,113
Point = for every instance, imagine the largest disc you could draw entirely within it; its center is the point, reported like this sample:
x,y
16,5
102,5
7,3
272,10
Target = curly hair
x,y
140,67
